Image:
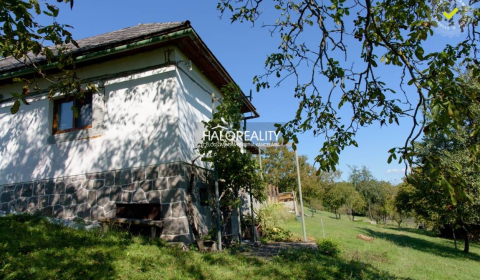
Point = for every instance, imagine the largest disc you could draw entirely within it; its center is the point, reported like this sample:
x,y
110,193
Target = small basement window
x,y
64,119
203,193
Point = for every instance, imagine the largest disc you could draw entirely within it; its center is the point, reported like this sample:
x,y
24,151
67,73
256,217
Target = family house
x,y
134,142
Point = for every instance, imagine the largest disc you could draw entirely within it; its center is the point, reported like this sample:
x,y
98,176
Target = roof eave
x,y
183,31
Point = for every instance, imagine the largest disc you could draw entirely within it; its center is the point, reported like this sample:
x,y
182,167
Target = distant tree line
x,y
362,194
428,203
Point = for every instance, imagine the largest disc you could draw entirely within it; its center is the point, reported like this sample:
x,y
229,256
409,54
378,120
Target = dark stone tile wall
x,y
92,196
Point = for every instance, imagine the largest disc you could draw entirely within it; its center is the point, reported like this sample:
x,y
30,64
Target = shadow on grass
x,y
333,218
422,245
33,248
298,264
413,230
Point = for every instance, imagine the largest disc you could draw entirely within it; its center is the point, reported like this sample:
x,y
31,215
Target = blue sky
x,y
242,50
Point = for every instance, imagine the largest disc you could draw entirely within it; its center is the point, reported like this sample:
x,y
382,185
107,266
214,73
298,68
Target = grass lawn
x,y
403,252
33,248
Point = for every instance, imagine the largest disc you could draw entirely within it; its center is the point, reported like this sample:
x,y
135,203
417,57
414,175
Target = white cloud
x,y
395,170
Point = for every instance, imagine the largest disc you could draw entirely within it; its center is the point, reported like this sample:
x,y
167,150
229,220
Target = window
x,y
203,193
64,119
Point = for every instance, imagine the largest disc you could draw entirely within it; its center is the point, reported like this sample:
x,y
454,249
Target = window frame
x,y
56,105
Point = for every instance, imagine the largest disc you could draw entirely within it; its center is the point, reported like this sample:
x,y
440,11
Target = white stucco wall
x,y
148,119
195,105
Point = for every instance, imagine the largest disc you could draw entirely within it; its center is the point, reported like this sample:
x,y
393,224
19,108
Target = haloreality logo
x,y
451,17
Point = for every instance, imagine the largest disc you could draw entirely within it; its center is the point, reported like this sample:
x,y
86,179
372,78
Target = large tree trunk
x,y
454,237
239,221
466,249
225,220
353,215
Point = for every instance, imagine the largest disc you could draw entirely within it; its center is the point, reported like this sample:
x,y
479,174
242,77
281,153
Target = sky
x,y
242,50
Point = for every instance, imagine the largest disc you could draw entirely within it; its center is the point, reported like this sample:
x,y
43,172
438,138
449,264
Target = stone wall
x,y
91,196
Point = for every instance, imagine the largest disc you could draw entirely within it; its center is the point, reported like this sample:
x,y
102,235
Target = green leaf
x,y
435,110
419,52
457,165
295,139
24,101
15,107
36,6
75,111
53,9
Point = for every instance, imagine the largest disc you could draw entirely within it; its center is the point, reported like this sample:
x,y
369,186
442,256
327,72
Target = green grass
x,y
403,252
33,248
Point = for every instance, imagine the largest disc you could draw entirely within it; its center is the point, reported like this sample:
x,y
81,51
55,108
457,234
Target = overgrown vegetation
x,y
271,218
236,168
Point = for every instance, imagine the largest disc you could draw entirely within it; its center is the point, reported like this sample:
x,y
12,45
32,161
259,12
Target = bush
x,y
328,247
275,214
270,217
277,234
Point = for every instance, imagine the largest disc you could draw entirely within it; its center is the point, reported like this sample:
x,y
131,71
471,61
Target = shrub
x,y
270,217
277,234
328,247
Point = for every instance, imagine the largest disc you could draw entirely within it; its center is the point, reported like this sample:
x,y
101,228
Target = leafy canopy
x,y
236,167
35,46
280,167
316,38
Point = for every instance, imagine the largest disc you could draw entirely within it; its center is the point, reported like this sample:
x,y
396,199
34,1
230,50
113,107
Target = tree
x,y
365,184
382,194
279,166
37,46
389,35
354,200
335,196
435,200
376,194
394,212
236,167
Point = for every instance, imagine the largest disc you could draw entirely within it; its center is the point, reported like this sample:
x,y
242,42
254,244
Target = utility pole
x,y
217,206
301,199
